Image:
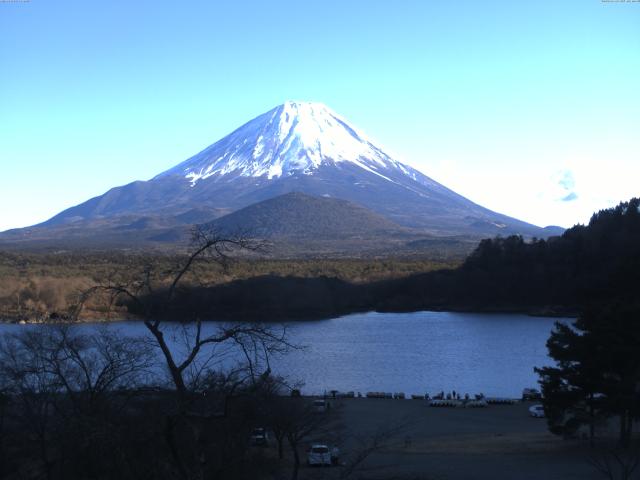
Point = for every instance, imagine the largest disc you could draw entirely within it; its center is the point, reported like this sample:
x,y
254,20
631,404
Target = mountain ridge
x,y
295,147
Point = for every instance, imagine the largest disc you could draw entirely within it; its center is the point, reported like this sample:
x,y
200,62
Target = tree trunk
x,y
2,433
174,371
169,435
48,468
296,460
200,450
624,430
280,447
591,422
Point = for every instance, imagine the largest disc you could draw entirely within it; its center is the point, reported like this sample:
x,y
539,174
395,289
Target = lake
x,y
412,353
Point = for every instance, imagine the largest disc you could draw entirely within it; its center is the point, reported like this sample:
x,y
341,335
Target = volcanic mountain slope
x,y
293,225
296,224
302,216
295,147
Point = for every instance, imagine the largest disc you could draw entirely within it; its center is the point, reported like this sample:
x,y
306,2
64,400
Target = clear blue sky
x,y
529,108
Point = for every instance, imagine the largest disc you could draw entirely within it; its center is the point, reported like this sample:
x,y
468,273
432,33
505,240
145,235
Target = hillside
x,y
598,262
293,225
303,216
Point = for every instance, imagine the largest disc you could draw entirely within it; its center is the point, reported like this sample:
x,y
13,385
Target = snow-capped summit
x,y
295,137
296,147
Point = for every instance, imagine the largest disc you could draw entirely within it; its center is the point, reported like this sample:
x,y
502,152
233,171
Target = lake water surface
x,y
409,352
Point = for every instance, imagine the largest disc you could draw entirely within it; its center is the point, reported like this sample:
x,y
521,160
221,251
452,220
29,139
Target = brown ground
x,y
497,442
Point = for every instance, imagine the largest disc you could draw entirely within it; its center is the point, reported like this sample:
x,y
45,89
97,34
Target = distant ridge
x,y
300,147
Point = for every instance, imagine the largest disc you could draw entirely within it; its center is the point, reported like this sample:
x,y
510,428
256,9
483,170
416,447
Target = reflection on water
x,y
409,352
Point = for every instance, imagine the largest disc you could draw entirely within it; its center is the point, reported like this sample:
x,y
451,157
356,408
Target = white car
x,y
259,436
319,455
320,405
536,411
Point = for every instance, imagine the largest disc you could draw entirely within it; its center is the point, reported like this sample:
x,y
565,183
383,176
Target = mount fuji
x,y
296,147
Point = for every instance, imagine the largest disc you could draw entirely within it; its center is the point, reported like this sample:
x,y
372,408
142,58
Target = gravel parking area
x,y
497,442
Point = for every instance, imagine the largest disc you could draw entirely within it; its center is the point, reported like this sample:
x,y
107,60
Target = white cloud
x,y
541,192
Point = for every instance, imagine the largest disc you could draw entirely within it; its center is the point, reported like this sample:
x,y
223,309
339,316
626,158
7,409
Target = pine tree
x,y
598,370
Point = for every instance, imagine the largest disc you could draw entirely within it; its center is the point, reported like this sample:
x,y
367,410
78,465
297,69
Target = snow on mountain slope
x,y
298,147
296,137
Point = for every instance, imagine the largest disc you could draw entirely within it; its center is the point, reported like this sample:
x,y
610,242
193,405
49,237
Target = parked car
x,y
259,436
319,455
320,405
531,394
536,411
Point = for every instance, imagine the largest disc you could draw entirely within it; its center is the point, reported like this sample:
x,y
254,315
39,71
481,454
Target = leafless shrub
x,y
616,464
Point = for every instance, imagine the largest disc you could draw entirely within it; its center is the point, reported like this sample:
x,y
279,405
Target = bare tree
x,y
64,388
4,401
34,392
366,445
189,367
303,421
278,420
256,342
616,464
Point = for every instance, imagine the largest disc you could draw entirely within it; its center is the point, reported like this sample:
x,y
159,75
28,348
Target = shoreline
x,y
530,312
544,312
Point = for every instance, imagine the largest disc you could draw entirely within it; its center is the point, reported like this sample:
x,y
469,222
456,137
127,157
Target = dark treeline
x,y
587,264
98,406
264,298
37,286
591,263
